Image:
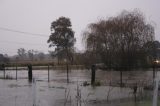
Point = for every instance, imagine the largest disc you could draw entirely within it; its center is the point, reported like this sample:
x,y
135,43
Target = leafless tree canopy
x,y
119,40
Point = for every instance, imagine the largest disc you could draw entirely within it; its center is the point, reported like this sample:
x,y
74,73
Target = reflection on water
x,y
58,93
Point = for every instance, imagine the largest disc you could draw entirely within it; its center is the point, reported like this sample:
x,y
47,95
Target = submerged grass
x,y
139,103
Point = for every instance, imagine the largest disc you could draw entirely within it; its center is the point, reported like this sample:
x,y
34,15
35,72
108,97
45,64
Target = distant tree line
x,y
4,59
29,55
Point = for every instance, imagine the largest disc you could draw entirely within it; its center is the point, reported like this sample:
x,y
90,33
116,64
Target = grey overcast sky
x,y
35,16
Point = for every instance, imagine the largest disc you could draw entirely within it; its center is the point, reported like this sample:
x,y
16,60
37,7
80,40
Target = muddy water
x,y
58,93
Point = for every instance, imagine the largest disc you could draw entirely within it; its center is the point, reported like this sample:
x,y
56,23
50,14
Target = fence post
x,y
67,73
3,67
135,92
121,80
30,73
16,71
48,73
93,69
153,72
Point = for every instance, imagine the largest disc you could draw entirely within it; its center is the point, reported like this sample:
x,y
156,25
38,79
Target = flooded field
x,y
57,92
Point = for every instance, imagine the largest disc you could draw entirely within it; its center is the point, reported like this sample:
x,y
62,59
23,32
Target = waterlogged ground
x,y
57,92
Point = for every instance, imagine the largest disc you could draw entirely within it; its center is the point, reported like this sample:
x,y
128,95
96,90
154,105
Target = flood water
x,y
57,92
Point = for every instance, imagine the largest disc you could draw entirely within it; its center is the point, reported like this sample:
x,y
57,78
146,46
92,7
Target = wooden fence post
x,y
16,71
3,66
93,69
30,73
48,73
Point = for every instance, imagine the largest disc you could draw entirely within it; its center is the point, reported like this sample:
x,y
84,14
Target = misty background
x,y
26,23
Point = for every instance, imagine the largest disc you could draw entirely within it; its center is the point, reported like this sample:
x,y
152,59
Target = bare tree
x,y
21,53
41,55
31,54
119,40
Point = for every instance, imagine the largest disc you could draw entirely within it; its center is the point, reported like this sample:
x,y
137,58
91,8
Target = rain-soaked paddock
x,y
78,92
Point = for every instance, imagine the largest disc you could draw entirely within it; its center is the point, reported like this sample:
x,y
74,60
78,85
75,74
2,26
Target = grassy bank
x,y
43,67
